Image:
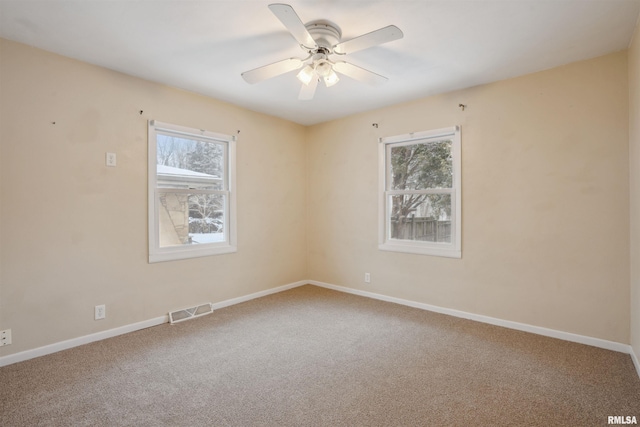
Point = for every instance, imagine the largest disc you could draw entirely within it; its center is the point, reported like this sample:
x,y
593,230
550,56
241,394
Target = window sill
x,y
187,253
447,251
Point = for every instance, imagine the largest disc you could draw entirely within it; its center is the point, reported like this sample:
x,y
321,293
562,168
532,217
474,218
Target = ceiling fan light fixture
x,y
331,79
323,68
320,40
306,74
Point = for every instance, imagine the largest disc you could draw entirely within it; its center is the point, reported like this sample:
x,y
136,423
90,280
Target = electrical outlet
x,y
5,337
367,278
100,312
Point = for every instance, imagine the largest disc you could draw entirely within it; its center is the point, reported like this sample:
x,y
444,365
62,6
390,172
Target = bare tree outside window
x,y
418,213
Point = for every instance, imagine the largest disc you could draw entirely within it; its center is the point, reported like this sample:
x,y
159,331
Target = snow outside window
x,y
191,193
420,193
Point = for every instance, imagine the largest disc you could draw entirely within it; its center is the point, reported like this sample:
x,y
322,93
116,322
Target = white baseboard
x,y
75,342
260,294
567,336
636,360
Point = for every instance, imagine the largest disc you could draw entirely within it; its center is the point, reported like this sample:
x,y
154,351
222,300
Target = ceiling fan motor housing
x,y
325,33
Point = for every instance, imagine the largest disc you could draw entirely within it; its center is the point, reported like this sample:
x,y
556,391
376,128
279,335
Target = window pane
x,y
421,166
188,219
187,163
421,217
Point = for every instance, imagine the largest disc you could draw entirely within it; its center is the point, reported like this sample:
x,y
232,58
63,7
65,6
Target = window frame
x,y
170,253
385,243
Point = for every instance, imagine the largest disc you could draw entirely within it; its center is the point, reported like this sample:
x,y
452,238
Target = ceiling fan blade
x,y
359,73
272,70
374,38
292,22
307,91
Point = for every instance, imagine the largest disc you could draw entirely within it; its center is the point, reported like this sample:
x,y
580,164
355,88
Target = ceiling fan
x,y
320,40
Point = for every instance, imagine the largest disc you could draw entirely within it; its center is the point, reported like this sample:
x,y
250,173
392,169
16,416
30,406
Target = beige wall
x,y
74,232
545,201
634,157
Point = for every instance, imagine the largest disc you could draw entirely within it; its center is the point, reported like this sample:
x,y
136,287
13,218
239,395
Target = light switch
x,y
111,159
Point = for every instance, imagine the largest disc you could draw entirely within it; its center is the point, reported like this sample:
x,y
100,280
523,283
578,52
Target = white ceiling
x,y
203,46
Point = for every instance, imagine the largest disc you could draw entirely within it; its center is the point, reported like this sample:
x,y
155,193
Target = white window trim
x,y
158,254
451,250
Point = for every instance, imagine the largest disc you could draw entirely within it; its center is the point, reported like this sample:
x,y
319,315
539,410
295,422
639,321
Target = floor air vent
x,y
190,313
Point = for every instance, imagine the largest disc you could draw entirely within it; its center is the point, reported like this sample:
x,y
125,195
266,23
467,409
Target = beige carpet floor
x,y
316,357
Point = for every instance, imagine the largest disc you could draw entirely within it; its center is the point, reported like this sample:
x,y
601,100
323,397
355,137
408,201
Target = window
x,y
420,193
191,193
